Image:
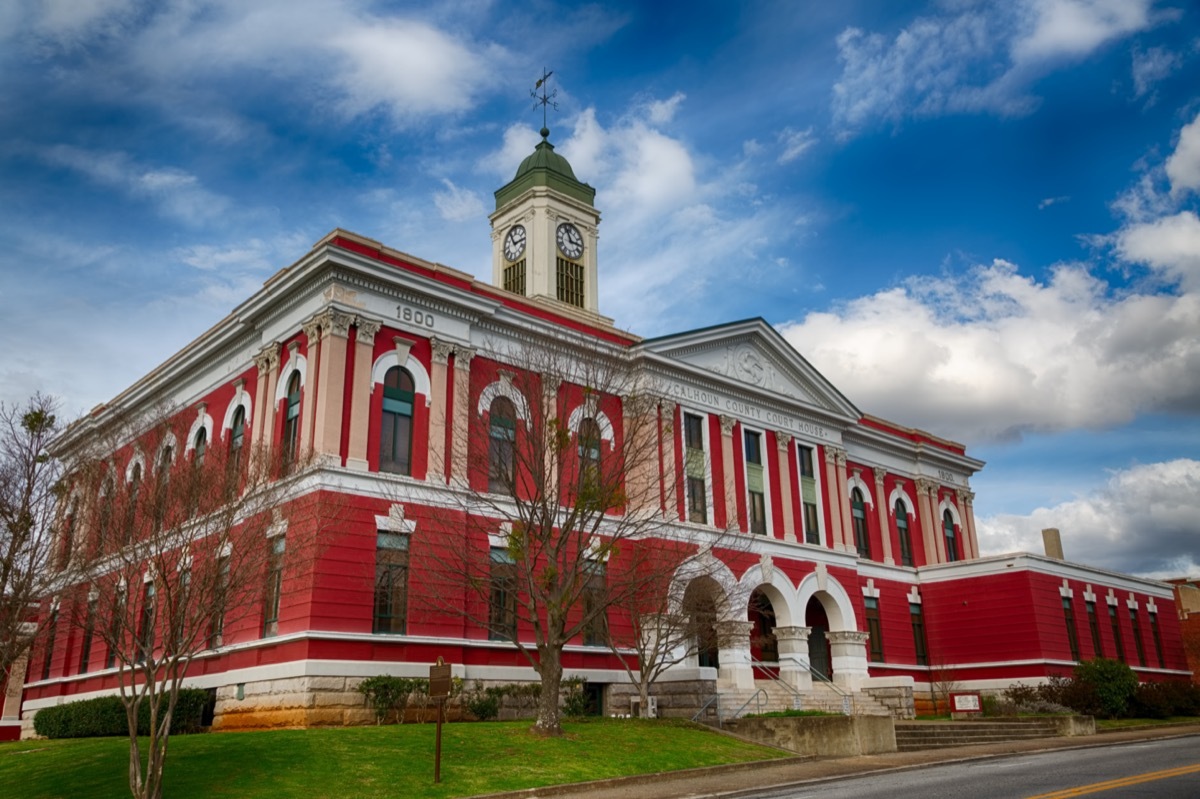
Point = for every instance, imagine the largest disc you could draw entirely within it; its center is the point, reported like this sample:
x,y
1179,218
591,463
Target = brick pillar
x,y
331,385
15,689
438,379
266,363
885,531
667,474
966,509
793,656
929,525
360,392
843,489
848,656
831,496
733,638
312,375
782,440
731,505
460,432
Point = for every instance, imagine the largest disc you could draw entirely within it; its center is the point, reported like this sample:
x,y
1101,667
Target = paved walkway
x,y
729,782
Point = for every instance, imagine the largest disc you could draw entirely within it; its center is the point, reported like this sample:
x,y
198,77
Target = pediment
x,y
753,354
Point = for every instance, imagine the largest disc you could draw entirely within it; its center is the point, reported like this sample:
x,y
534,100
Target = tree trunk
x,y
549,719
644,695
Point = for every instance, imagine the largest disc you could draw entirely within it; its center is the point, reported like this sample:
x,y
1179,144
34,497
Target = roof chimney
x,y
1052,543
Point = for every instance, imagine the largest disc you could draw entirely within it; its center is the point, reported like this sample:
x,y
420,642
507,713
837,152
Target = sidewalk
x,y
744,778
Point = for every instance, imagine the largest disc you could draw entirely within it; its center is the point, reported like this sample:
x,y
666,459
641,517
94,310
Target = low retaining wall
x,y
821,736
1070,726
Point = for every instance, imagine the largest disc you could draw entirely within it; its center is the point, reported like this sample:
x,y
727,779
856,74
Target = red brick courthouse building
x,y
859,561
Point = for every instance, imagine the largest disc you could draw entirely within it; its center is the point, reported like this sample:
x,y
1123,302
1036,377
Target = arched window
x,y
589,452
291,423
395,446
131,500
237,433
502,437
200,446
859,514
906,558
951,540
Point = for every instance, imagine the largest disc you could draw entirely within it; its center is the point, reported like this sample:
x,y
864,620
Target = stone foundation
x,y
676,699
898,699
294,702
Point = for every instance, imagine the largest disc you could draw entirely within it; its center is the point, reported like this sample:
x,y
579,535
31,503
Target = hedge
x,y
105,716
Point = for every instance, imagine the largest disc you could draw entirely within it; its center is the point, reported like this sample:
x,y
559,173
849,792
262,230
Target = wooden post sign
x,y
439,689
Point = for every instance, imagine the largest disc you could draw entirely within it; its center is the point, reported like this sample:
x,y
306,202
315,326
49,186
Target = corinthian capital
x,y
727,423
367,328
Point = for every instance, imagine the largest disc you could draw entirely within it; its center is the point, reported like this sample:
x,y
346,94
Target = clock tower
x,y
544,233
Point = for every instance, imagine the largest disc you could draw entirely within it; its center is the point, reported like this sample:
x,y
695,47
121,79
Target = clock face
x,y
570,241
514,242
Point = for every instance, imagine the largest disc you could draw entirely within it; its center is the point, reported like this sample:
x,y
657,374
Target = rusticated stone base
x,y
676,699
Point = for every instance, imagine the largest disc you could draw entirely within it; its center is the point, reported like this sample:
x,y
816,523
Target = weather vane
x,y
545,99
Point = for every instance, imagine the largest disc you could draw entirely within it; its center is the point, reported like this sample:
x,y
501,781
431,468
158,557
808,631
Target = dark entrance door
x,y
701,612
763,646
818,643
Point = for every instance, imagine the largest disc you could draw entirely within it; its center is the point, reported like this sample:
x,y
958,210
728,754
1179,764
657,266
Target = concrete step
x,y
916,735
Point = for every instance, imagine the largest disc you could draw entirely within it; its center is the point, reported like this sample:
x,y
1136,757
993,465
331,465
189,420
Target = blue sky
x,y
976,218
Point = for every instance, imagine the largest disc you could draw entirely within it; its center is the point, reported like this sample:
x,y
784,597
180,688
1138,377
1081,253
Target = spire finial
x,y
545,99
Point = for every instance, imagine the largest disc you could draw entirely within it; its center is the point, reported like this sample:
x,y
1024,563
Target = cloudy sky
x,y
977,218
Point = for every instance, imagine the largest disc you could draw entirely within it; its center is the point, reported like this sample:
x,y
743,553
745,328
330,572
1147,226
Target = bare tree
x,y
942,683
563,493
188,544
29,488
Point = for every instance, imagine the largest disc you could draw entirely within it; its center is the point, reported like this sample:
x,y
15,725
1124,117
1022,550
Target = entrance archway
x,y
819,655
701,611
761,614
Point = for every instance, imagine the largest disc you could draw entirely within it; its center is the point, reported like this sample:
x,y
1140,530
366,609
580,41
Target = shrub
x,y
105,716
575,700
483,703
1160,700
1104,686
387,695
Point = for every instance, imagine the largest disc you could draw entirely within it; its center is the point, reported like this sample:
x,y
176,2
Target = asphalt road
x,y
1165,769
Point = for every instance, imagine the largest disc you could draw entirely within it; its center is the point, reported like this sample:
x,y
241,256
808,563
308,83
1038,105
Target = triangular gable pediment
x,y
754,354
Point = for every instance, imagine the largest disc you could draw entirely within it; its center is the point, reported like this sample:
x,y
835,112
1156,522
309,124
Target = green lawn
x,y
1117,724
391,761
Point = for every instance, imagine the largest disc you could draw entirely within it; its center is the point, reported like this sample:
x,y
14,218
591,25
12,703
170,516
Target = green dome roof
x,y
544,167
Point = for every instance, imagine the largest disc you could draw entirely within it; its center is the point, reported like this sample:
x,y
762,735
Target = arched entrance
x,y
761,614
817,621
700,610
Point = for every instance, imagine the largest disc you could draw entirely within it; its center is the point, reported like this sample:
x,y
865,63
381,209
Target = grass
x,y
367,762
1118,724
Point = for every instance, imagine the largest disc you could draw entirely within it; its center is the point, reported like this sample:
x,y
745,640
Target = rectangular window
x,y
89,631
570,282
1116,628
695,467
595,631
1072,636
502,613
1157,639
51,635
145,635
216,624
756,504
918,628
874,629
808,495
391,583
274,588
514,277
1136,624
1094,626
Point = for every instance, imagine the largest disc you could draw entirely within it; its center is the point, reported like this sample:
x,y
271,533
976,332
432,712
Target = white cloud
x,y
992,353
1183,166
457,204
660,112
1169,245
1074,28
1150,67
1049,201
973,58
517,143
1142,521
174,193
795,143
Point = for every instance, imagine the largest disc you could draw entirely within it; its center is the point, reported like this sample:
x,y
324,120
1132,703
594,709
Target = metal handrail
x,y
715,698
797,696
848,706
759,694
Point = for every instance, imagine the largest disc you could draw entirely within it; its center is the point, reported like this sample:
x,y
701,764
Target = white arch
x,y
240,400
947,505
391,358
503,388
295,363
854,481
583,412
898,493
841,614
203,420
168,440
707,565
782,593
137,459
